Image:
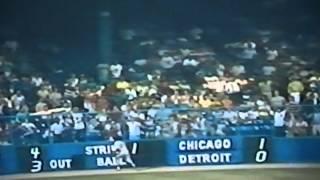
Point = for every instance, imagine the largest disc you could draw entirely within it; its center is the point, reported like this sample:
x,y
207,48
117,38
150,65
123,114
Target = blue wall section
x,y
147,153
8,160
295,150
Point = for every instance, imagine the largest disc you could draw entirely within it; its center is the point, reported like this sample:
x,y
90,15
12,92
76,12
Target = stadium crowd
x,y
169,85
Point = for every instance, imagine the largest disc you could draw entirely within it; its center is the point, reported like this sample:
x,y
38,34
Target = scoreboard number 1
x,y
134,148
261,154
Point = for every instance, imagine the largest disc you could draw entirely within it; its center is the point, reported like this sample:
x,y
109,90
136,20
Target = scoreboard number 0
x,y
261,154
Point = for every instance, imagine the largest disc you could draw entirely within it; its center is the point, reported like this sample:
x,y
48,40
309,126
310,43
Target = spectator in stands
x,y
226,102
56,130
68,127
237,70
79,124
167,62
116,70
43,92
230,116
277,100
73,81
134,128
316,123
269,69
266,88
23,113
297,126
272,54
170,61
295,88
3,135
279,122
29,132
55,98
18,100
37,80
149,127
41,105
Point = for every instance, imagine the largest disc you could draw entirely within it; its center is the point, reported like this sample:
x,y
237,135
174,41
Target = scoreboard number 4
x,y
36,162
261,154
34,151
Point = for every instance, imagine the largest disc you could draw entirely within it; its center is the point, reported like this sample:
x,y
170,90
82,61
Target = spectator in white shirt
x,y
79,124
279,122
231,87
271,54
190,62
167,62
73,81
237,70
249,51
116,70
56,130
243,116
220,70
18,99
131,93
140,62
134,129
268,70
37,80
55,98
230,116
29,131
277,100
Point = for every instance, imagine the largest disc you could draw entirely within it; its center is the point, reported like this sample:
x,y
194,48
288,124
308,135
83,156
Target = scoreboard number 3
x,y
261,154
36,162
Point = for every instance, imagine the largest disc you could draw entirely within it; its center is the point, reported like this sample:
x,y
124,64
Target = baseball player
x,y
122,152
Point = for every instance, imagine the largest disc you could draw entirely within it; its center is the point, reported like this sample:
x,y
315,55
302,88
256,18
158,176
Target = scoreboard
x,y
154,153
78,156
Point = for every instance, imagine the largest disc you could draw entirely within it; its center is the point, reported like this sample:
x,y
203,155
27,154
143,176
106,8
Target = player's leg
x,y
118,161
129,160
